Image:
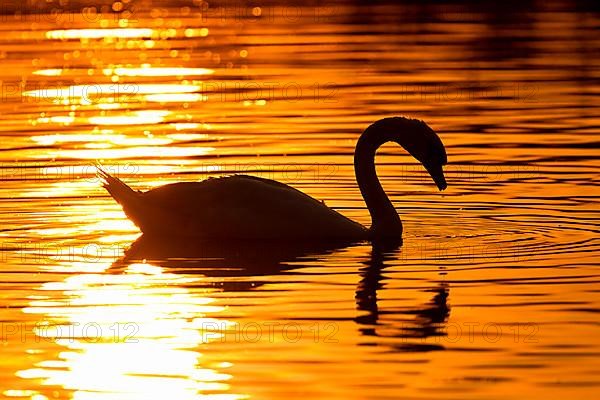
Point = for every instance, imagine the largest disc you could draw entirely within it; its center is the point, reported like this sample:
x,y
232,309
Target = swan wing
x,y
240,206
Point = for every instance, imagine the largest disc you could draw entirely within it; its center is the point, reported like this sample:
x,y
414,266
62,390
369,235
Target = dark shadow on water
x,y
413,324
255,259
214,258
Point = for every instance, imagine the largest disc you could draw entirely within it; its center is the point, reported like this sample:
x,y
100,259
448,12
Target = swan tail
x,y
137,209
119,191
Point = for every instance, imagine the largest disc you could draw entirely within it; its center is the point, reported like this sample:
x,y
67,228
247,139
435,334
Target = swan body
x,y
233,207
248,207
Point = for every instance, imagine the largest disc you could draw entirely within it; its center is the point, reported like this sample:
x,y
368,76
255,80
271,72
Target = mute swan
x,y
248,207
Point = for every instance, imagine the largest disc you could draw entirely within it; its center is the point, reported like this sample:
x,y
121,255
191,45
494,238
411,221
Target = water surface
x,y
493,294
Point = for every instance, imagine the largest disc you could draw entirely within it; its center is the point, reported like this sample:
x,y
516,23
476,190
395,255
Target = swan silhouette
x,y
248,207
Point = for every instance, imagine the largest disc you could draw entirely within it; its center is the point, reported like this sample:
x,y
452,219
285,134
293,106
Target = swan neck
x,y
385,221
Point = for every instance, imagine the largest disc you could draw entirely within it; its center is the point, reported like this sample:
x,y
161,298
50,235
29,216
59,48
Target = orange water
x,y
493,295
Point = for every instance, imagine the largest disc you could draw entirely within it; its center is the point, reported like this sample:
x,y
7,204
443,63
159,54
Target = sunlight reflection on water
x,y
494,292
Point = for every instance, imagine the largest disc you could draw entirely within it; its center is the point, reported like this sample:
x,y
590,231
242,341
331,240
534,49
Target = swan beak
x,y
437,173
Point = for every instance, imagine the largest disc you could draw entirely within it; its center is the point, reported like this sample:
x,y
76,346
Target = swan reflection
x,y
224,258
141,329
256,259
413,324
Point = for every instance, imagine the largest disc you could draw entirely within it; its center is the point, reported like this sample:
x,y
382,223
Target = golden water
x,y
493,295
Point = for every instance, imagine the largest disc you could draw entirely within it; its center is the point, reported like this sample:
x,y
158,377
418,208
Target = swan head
x,y
416,137
430,151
